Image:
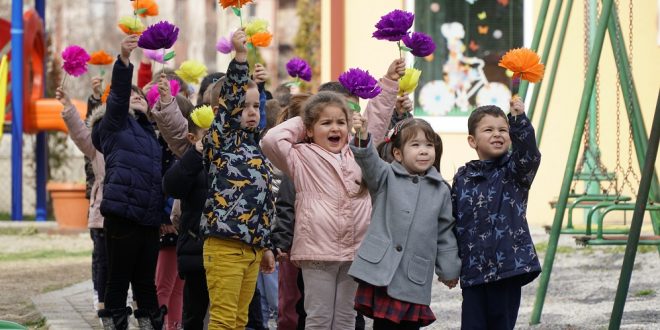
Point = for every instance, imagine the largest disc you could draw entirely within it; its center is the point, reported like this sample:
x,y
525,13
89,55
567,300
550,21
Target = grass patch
x,y
543,247
643,293
19,231
39,323
7,216
618,249
43,254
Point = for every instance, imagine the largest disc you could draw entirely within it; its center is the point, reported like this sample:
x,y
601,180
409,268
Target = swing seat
x,y
601,238
589,201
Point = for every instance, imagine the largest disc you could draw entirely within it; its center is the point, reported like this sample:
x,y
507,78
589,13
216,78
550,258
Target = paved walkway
x,y
69,308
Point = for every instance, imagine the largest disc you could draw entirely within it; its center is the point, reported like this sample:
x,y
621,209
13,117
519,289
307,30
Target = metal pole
x,y
571,162
540,21
553,72
544,57
17,110
636,225
42,140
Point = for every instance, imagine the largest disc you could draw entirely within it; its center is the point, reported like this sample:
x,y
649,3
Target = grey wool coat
x,y
411,230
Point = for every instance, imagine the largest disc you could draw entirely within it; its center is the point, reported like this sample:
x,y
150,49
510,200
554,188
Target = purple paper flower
x,y
160,35
155,55
75,60
360,83
153,95
298,68
394,25
421,44
224,45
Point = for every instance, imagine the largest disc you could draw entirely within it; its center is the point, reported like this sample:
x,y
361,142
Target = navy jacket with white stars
x,y
489,200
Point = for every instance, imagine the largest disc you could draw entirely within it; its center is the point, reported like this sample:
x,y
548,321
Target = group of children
x,y
352,206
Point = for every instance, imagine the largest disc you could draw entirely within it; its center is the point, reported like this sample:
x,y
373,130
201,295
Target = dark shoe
x,y
119,317
151,320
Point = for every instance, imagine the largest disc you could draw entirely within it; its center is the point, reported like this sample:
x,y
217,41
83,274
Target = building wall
x,y
365,52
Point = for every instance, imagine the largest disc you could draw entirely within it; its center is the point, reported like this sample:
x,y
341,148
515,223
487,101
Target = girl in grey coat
x,y
410,231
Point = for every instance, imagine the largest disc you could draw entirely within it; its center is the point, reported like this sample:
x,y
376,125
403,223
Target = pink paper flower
x,y
75,60
224,45
153,95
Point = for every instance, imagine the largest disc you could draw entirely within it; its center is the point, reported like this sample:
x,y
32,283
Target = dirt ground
x,y
33,263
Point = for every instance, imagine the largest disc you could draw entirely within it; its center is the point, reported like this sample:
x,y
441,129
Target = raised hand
x,y
403,104
260,73
360,125
164,89
239,41
127,45
517,107
64,99
397,69
97,83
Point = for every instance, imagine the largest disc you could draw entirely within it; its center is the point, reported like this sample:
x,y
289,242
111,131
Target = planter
x,y
69,204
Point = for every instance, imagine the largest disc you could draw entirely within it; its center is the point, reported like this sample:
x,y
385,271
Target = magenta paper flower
x,y
224,45
153,95
298,68
394,25
154,55
75,60
161,35
360,83
420,44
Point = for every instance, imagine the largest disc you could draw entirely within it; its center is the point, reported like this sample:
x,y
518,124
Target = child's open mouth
x,y
334,139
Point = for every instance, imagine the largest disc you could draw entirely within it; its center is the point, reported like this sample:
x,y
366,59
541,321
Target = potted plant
x,y
70,206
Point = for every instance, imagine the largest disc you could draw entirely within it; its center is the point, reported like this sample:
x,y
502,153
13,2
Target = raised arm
x,y
78,131
117,105
374,169
169,119
525,155
380,109
278,143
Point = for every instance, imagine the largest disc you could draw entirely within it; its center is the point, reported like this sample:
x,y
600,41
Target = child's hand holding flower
x,y
164,89
96,87
517,107
397,69
260,73
239,41
64,99
360,125
403,104
127,45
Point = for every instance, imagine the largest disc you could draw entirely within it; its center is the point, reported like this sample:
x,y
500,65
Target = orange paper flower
x,y
145,7
261,39
106,92
524,63
233,3
100,58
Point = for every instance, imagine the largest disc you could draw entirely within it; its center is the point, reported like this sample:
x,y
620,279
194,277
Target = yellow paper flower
x,y
202,116
131,25
191,71
256,26
408,82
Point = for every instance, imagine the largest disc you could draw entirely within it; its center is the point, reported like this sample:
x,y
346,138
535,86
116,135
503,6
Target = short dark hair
x,y
337,87
208,80
273,110
283,95
481,112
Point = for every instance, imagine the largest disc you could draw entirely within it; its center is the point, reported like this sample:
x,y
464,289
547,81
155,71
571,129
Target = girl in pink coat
x,y
332,206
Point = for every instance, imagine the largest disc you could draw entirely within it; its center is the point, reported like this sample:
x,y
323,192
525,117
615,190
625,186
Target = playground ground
x,y
39,262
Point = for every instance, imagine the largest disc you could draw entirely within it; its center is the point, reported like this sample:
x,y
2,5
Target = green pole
x,y
569,171
593,156
633,108
636,225
553,72
536,40
546,53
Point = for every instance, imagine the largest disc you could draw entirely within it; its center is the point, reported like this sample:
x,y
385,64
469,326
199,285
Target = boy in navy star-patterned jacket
x,y
489,198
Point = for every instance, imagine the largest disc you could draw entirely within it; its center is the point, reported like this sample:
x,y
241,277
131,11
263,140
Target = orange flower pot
x,y
69,204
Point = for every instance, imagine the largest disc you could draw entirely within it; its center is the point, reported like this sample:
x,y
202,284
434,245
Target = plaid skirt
x,y
373,302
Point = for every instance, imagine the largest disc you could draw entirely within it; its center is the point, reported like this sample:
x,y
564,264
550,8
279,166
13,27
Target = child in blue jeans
x,y
489,198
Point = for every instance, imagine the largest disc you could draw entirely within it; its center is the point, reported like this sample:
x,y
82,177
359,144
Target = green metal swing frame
x,y
646,150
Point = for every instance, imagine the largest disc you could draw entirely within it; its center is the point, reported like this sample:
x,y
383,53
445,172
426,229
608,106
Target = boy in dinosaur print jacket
x,y
489,198
239,203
